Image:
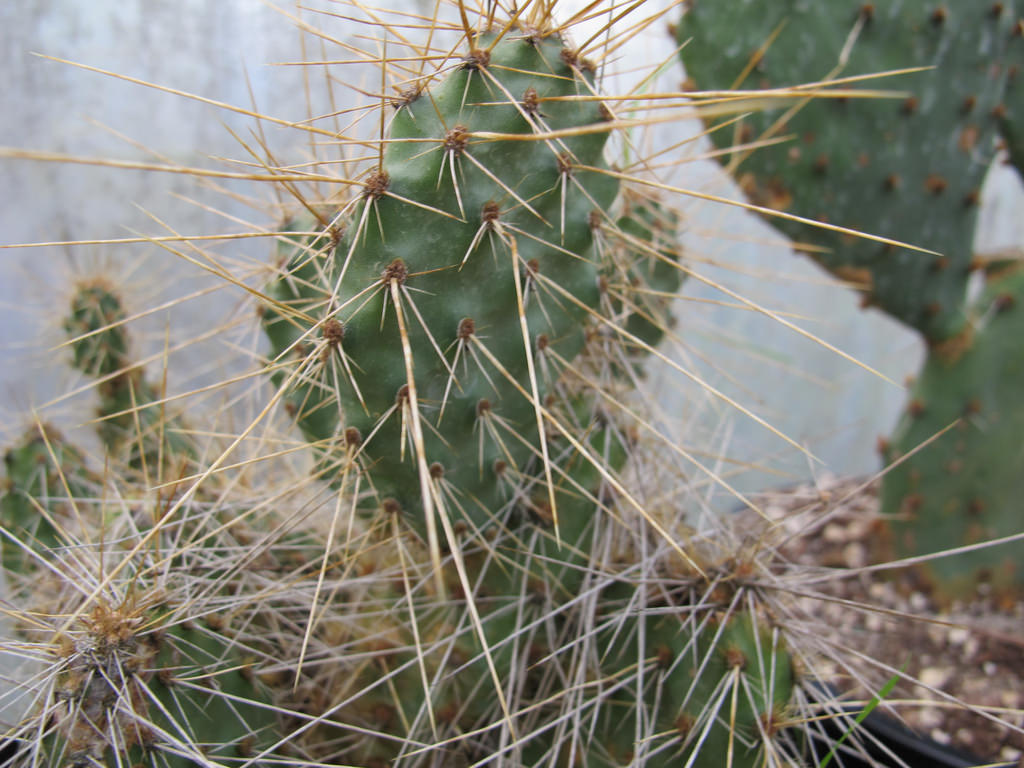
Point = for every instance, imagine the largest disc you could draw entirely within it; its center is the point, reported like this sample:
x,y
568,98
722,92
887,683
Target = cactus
x,y
491,231
132,426
127,675
433,258
963,488
908,170
45,477
489,564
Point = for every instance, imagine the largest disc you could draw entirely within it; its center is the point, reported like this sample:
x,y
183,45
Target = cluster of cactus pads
x,y
907,169
487,567
459,342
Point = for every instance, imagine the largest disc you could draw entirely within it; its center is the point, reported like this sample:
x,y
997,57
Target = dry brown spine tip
x,y
999,111
821,164
353,437
936,184
437,470
684,724
940,264
499,466
483,406
391,506
377,184
909,106
542,342
467,327
892,182
490,212
406,97
478,58
882,445
532,267
564,164
939,15
916,407
1004,302
867,11
396,271
968,104
531,101
402,396
972,198
595,218
456,139
573,60
996,10
332,331
735,658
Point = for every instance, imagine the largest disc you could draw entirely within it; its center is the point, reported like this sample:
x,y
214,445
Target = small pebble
x,y
958,636
934,677
940,736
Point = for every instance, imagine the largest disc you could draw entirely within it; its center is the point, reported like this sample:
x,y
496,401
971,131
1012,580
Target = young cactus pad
x,y
907,168
965,487
470,248
101,346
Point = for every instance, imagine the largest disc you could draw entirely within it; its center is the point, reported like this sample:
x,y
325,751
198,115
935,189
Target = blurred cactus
x,y
909,170
131,422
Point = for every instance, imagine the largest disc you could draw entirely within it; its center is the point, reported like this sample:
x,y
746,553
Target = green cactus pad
x,y
720,690
129,691
100,347
908,169
484,183
966,486
45,475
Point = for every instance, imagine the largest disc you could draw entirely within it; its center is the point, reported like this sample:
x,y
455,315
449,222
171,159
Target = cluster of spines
x,y
462,256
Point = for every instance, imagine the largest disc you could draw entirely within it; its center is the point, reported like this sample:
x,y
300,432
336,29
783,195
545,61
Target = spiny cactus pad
x,y
966,486
909,169
45,476
131,690
486,202
101,348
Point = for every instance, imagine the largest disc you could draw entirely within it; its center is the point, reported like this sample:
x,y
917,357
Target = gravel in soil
x,y
967,658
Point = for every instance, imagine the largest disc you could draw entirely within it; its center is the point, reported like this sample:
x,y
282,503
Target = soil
x,y
967,657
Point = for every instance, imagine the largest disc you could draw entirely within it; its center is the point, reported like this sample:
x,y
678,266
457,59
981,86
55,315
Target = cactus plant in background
x,y
910,169
495,559
131,420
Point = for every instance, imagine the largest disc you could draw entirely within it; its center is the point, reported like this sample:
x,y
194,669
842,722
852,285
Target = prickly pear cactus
x,y
44,477
909,169
131,422
965,487
483,209
468,330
